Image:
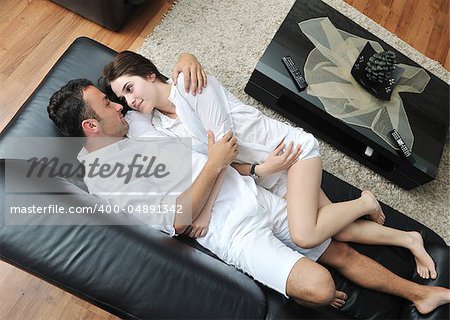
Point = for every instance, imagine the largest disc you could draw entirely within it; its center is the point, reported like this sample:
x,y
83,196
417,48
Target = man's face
x,y
112,122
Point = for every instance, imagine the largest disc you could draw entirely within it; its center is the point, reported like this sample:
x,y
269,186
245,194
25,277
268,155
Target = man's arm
x,y
199,226
220,156
193,73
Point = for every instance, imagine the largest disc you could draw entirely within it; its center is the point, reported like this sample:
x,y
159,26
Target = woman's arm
x,y
279,161
210,109
275,162
242,168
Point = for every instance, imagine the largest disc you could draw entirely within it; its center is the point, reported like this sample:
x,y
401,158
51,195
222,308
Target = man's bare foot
x,y
376,213
339,299
425,264
433,297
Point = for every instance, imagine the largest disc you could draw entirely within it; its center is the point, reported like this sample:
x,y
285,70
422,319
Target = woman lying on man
x,y
283,159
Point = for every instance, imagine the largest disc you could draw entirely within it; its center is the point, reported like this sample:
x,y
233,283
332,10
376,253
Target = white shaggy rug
x,y
229,37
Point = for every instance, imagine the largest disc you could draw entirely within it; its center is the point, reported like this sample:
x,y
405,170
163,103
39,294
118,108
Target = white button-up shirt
x,y
236,202
215,109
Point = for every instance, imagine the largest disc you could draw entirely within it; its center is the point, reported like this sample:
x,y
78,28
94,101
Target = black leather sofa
x,y
136,272
111,14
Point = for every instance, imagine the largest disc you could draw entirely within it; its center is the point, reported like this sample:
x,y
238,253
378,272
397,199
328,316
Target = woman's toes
x,y
379,219
375,214
423,273
426,267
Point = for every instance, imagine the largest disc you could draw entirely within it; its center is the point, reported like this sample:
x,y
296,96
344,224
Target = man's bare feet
x,y
433,297
376,213
425,264
339,299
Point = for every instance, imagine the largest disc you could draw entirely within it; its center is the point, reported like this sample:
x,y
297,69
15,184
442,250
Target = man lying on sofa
x,y
248,227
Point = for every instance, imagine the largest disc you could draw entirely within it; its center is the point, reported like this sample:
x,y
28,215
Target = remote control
x,y
295,73
404,150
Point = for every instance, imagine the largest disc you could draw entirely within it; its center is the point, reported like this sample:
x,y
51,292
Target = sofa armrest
x,y
111,14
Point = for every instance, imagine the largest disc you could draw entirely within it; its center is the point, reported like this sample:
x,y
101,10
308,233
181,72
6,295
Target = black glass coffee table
x,y
428,112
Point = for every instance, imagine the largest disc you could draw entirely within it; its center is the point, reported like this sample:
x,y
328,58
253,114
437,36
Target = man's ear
x,y
90,127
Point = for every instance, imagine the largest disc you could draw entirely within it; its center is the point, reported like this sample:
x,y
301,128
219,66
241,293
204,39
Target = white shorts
x,y
309,145
266,251
309,149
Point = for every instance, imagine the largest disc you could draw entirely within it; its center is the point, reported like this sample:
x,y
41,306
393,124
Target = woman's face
x,y
139,93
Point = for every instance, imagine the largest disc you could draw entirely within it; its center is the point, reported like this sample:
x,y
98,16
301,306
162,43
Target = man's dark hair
x,y
67,108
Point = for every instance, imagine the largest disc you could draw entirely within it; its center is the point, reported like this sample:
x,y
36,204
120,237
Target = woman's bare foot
x,y
339,299
376,213
433,297
425,264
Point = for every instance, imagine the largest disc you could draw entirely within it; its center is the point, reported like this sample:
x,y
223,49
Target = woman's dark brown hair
x,y
130,64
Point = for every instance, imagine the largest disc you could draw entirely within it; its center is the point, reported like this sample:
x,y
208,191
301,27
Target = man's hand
x,y
277,162
221,153
199,227
193,73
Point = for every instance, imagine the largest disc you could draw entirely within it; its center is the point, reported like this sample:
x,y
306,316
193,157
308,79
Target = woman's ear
x,y
90,127
151,77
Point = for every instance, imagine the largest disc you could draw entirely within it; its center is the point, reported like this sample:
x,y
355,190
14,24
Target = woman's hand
x,y
193,73
278,161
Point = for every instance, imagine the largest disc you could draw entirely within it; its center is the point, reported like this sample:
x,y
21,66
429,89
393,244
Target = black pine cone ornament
x,y
381,66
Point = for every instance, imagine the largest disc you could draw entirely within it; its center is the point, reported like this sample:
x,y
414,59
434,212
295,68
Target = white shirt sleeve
x,y
155,209
168,206
211,106
150,200
140,125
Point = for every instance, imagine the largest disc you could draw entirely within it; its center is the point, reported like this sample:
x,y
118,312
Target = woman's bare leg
x,y
309,223
369,232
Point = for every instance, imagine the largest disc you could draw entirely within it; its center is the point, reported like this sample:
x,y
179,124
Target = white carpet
x,y
229,37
